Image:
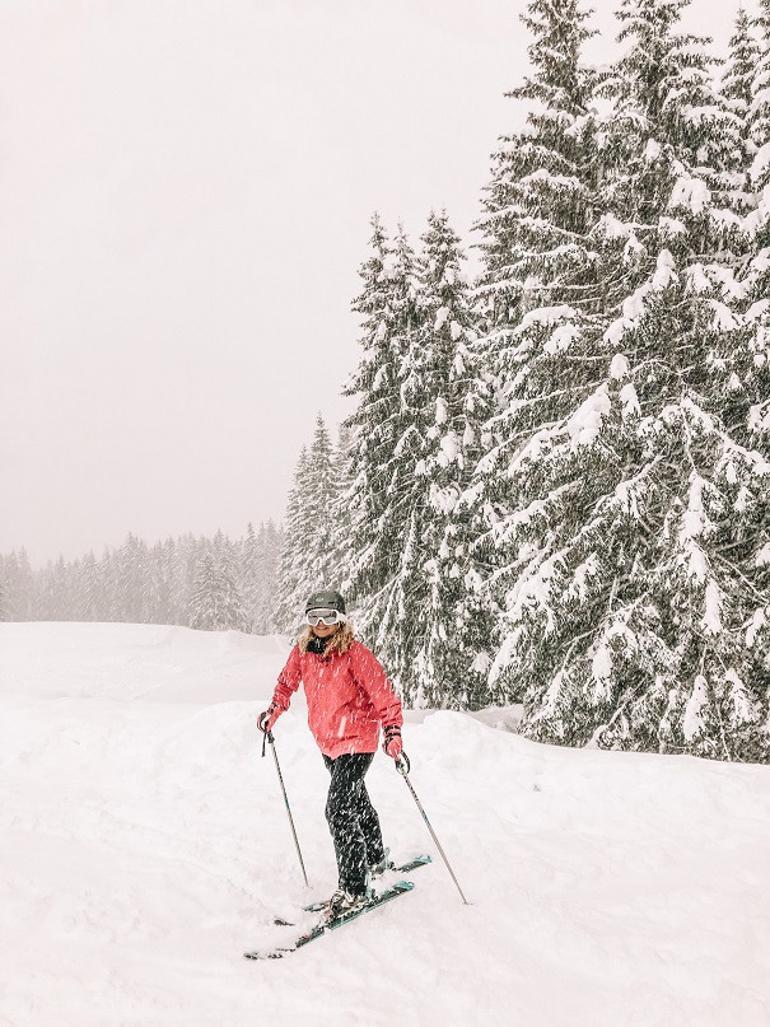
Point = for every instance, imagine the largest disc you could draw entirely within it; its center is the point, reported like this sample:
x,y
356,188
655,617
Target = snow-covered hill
x,y
145,846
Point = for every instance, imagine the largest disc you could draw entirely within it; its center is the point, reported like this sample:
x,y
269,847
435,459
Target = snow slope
x,y
145,846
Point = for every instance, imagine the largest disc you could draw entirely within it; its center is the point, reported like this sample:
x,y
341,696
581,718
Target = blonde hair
x,y
339,642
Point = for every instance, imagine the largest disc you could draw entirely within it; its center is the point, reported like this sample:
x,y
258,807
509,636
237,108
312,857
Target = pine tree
x,y
271,542
320,569
215,604
539,287
343,460
736,89
5,606
387,574
59,594
163,587
250,578
133,581
88,589
384,438
756,278
753,373
454,402
540,195
406,588
19,585
625,620
292,579
183,578
24,586
759,107
311,547
372,386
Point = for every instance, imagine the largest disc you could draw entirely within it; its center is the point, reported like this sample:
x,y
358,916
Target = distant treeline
x,y
210,583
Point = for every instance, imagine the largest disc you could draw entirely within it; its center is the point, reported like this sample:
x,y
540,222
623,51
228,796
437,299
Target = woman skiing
x,y
348,698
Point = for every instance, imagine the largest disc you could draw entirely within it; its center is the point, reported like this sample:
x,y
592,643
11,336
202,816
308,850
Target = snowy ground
x,y
145,846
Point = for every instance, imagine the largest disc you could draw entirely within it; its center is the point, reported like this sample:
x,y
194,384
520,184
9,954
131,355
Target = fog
x,y
185,191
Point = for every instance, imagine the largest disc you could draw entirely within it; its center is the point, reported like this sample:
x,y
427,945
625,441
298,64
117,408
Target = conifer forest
x,y
554,487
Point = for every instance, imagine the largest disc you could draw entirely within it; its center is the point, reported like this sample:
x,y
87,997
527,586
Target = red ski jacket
x,y
348,697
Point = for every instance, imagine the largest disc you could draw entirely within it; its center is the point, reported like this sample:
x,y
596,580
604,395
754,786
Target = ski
x,y
324,925
318,907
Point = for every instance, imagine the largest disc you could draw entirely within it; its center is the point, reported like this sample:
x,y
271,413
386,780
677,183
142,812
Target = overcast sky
x,y
185,189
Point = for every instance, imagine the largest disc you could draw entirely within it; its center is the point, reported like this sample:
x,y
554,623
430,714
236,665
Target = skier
x,y
348,698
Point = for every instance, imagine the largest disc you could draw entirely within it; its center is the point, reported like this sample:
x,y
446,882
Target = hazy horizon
x,y
186,195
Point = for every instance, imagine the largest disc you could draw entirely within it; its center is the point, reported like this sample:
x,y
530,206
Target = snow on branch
x,y
693,722
690,193
584,425
634,305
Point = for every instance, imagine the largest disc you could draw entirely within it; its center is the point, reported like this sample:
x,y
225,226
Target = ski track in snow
x,y
145,846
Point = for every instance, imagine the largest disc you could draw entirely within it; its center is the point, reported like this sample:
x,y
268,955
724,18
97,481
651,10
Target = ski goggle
x,y
315,617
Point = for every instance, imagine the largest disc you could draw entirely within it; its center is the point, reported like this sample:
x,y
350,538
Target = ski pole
x,y
403,766
268,737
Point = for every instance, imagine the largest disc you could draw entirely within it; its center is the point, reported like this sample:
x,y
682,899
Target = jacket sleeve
x,y
371,677
288,680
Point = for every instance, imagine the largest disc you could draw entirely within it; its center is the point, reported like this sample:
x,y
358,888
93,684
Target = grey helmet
x,y
325,600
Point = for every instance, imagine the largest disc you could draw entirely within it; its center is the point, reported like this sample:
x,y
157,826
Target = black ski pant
x,y
352,820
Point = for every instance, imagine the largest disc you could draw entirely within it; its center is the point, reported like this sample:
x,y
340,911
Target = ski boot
x,y
343,902
385,864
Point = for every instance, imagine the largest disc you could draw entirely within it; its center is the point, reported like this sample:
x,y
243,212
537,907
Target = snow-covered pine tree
x,y
5,606
321,570
18,577
759,108
251,572
393,612
203,609
185,564
343,459
292,579
158,586
165,556
269,541
373,386
43,594
8,571
25,586
737,91
56,595
215,604
535,207
755,370
169,564
385,445
756,278
392,618
133,581
105,576
627,619
89,589
538,287
450,403
308,559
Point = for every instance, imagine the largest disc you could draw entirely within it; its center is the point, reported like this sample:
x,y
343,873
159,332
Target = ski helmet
x,y
325,600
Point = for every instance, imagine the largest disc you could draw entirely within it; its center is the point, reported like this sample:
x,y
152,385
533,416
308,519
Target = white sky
x,y
185,190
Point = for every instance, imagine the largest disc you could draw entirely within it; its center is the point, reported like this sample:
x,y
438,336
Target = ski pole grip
x,y
267,736
403,766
